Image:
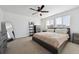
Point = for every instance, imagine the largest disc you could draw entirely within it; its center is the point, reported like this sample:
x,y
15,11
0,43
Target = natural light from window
x,y
60,21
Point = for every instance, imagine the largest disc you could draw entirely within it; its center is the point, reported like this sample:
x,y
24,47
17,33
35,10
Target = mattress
x,y
54,39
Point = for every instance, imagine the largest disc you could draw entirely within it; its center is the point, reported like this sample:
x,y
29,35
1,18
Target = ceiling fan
x,y
40,9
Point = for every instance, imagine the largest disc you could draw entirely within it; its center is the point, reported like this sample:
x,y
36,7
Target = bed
x,y
52,41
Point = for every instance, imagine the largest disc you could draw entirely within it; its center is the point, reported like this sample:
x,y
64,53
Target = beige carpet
x,y
71,48
27,46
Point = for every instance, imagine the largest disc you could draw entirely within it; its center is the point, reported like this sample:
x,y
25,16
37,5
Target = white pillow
x,y
62,31
50,30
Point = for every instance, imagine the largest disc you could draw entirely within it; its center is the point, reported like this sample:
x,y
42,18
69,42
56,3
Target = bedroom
x,y
60,17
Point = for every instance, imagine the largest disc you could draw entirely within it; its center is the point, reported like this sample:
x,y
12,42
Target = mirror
x,y
10,31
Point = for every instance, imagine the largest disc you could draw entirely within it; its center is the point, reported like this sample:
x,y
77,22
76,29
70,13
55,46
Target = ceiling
x,y
24,9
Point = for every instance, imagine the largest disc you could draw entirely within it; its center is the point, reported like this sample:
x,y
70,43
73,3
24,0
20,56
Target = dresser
x,y
37,28
31,28
75,38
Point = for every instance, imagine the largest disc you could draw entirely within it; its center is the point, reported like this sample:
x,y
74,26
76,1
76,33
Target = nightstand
x,y
75,38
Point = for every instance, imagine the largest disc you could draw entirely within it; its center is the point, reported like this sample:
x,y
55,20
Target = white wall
x,y
36,20
20,23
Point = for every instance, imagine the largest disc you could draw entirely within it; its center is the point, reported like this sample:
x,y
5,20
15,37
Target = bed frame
x,y
49,47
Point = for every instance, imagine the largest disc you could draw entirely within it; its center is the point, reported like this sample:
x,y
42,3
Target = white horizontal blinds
x,y
66,20
58,21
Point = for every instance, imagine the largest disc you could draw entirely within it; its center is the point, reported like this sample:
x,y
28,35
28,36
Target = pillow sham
x,y
62,31
50,30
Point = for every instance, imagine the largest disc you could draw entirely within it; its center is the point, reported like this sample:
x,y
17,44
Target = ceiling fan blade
x,y
33,9
44,11
34,13
40,8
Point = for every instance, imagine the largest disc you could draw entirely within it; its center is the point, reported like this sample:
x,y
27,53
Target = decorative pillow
x,y
50,30
62,31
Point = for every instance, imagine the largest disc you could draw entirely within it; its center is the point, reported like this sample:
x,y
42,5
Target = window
x,y
66,20
58,21
63,21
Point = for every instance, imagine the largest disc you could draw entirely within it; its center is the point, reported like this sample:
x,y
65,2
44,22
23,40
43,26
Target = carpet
x,y
27,46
